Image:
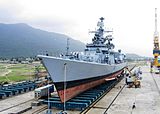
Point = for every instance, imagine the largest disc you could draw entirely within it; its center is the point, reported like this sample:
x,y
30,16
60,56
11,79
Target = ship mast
x,y
67,48
99,39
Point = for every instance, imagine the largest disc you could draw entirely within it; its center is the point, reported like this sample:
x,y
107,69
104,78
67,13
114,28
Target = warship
x,y
74,73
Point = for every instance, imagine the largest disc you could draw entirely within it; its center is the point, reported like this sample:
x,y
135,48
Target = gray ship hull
x,y
79,75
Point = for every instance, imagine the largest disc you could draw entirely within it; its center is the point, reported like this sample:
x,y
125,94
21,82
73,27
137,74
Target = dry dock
x,y
119,100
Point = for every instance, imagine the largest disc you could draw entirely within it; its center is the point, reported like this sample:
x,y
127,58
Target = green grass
x,y
3,79
19,72
14,78
20,66
19,78
2,66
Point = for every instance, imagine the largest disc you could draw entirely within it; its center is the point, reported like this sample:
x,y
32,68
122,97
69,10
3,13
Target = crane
x,y
156,49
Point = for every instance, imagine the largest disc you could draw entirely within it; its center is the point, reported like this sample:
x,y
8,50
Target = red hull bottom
x,y
74,91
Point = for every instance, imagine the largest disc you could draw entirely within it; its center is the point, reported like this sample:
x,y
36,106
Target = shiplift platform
x,y
85,99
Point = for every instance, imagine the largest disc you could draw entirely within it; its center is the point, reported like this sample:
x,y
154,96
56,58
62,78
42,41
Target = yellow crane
x,y
156,51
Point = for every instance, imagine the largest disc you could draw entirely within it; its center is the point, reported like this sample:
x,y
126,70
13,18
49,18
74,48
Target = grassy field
x,y
18,72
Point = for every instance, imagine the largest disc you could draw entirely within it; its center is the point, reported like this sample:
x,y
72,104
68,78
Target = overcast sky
x,y
132,20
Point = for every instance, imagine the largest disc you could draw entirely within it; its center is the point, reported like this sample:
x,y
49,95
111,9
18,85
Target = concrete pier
x,y
146,98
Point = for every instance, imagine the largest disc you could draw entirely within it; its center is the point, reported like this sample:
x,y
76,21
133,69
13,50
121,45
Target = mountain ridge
x,y
22,40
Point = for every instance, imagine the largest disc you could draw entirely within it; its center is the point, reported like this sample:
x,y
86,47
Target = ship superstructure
x,y
78,72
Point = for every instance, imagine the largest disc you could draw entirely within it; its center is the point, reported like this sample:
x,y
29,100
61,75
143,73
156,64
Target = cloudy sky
x,y
132,20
